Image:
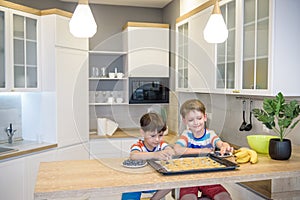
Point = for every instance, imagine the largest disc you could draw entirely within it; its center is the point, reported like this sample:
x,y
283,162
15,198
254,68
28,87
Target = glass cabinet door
x,y
226,51
25,52
255,44
2,50
182,56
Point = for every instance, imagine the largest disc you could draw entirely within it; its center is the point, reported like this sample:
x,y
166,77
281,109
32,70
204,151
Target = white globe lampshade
x,y
82,23
215,30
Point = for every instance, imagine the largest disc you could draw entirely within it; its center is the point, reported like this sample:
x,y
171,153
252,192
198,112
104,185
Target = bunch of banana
x,y
244,155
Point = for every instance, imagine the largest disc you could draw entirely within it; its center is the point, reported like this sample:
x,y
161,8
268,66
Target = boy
x,y
197,139
152,147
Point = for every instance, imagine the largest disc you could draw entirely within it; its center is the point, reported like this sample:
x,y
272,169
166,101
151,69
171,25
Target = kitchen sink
x,y
4,150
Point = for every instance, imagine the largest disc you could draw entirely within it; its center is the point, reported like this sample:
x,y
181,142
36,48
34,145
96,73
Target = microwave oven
x,y
148,90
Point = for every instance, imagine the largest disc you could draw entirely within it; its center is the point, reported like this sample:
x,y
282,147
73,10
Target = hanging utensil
x,y
248,127
242,127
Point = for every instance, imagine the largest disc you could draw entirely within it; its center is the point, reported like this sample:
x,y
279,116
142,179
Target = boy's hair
x,y
190,105
152,122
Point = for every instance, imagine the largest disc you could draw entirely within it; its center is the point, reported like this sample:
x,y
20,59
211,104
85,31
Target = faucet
x,y
10,133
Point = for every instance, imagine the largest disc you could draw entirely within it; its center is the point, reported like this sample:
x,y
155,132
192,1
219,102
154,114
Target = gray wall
x,y
46,4
111,19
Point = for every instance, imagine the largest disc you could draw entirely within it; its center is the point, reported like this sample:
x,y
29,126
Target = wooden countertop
x,y
24,147
91,178
170,138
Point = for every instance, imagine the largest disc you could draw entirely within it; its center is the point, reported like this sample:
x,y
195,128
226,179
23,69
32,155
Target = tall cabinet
x,y
65,84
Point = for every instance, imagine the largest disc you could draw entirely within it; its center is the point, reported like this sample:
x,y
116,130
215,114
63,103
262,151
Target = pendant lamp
x,y
82,23
215,30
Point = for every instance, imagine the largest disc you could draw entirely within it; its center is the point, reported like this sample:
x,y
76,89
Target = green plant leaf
x,y
295,123
279,103
278,115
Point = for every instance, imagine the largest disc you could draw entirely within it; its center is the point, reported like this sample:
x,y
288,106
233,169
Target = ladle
x,y
242,127
248,127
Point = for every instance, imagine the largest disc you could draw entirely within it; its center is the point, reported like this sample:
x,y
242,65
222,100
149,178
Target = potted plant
x,y
281,117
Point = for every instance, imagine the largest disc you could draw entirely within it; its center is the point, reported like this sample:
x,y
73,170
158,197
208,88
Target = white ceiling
x,y
138,3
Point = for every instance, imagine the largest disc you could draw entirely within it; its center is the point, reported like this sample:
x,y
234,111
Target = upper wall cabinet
x,y
25,51
3,49
226,69
147,46
60,35
259,57
194,60
268,43
19,52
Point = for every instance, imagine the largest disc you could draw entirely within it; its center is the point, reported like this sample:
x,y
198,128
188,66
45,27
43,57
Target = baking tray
x,y
226,165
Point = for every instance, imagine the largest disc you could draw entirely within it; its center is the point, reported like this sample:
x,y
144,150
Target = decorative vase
x,y
280,150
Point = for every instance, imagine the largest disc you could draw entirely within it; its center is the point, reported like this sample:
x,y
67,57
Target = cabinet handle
x,y
236,91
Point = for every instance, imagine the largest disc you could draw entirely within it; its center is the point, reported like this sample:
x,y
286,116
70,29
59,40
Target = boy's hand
x,y
225,148
206,150
164,154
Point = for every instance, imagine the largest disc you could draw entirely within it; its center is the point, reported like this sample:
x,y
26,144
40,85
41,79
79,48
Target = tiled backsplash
x,y
10,112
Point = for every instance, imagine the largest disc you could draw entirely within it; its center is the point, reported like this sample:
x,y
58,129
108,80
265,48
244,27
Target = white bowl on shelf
x,y
119,100
120,75
111,75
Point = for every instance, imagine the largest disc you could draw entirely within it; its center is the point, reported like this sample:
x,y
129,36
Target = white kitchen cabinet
x,y
182,56
73,152
147,46
25,52
258,58
111,147
226,70
18,175
126,145
63,37
277,50
65,115
20,39
12,179
3,48
263,48
72,96
195,57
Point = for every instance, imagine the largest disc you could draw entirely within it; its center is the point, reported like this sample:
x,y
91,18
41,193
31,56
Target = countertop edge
x,y
27,151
